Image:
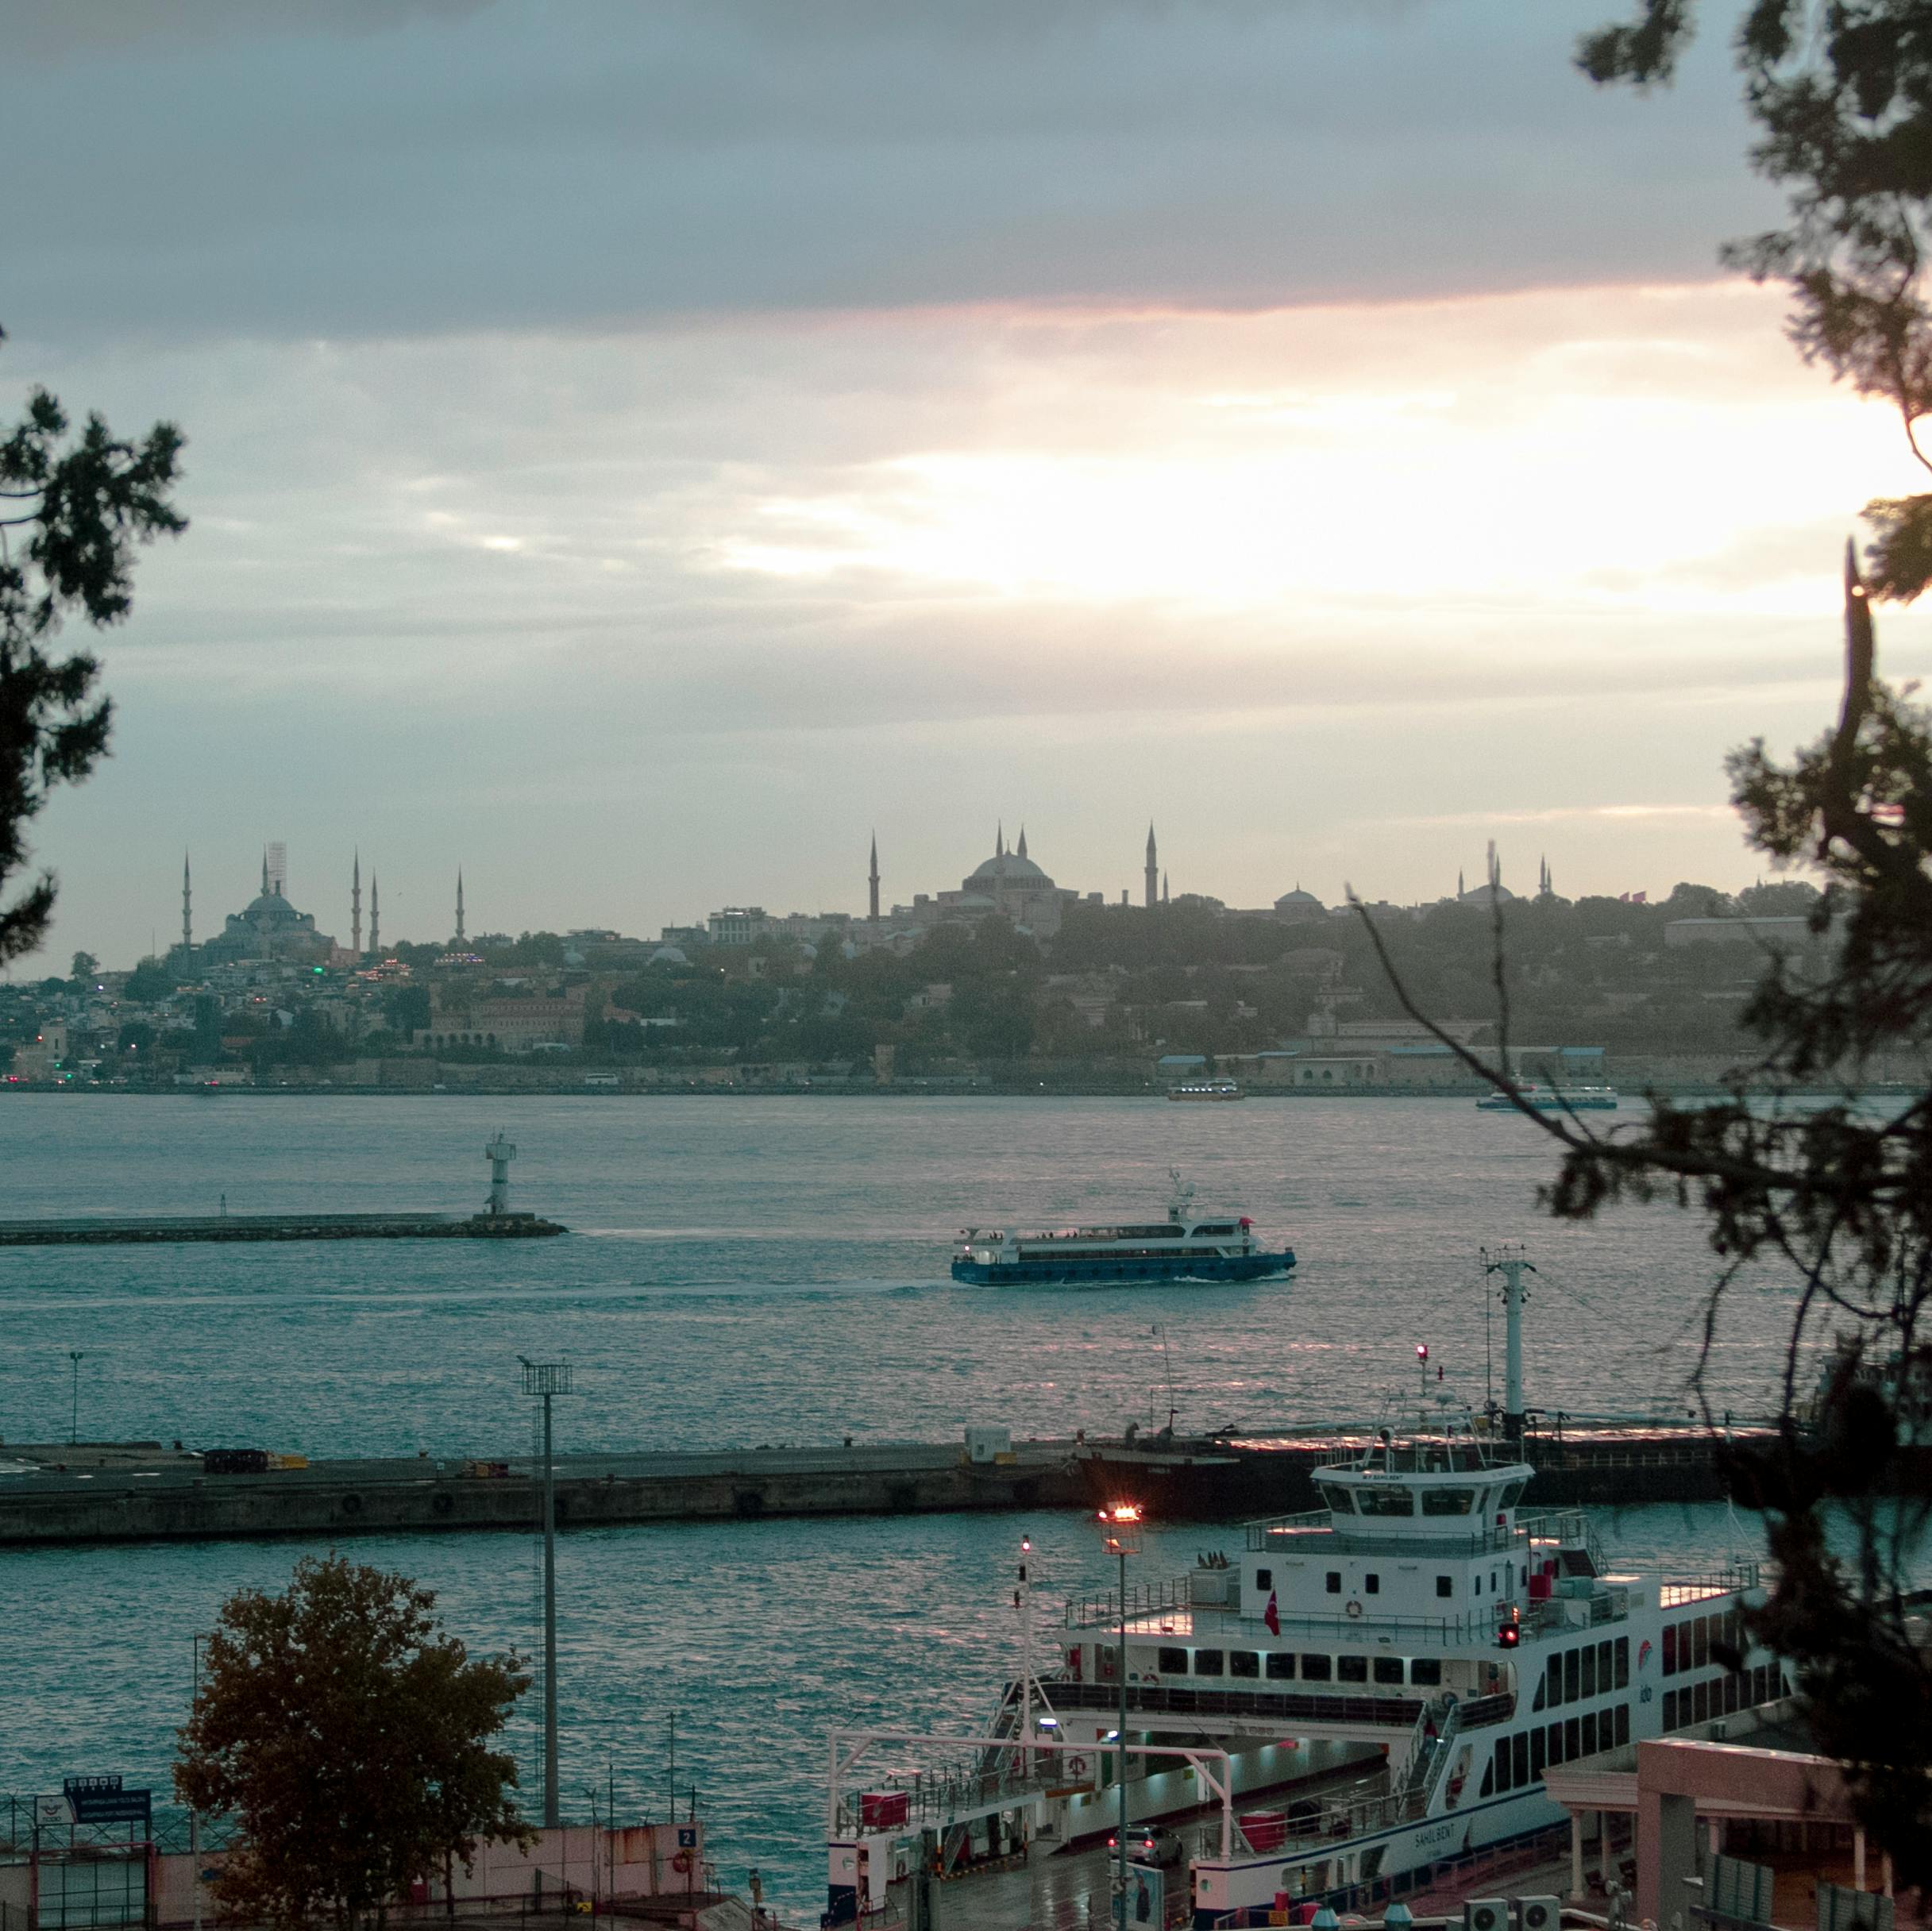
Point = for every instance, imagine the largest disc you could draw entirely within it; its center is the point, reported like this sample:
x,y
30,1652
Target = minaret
x,y
1153,867
187,922
264,871
1020,850
459,905
999,841
1163,887
873,880
376,920
355,906
1458,882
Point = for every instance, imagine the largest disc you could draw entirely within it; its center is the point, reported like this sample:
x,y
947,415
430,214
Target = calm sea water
x,y
743,1271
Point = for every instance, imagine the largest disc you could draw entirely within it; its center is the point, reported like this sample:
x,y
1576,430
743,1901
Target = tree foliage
x,y
73,508
1841,94
349,1739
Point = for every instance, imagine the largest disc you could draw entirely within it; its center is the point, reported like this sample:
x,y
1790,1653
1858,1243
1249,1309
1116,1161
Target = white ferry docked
x,y
1553,1100
1366,1691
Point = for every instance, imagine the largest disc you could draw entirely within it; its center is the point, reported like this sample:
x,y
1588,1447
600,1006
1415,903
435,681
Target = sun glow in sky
x,y
871,449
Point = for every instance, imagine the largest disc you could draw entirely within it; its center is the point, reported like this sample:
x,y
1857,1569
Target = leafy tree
x,y
72,508
149,982
349,1738
84,967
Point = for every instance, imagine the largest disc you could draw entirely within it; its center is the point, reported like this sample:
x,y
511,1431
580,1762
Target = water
x,y
746,1271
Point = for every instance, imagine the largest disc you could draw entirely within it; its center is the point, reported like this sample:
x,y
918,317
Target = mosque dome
x,y
1298,900
1009,871
669,955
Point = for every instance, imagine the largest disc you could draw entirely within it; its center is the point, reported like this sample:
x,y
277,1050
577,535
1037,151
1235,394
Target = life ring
x,y
1354,1608
681,1863
1076,1766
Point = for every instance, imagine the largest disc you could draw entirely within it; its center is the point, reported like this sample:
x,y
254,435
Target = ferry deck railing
x,y
1567,1528
1392,1711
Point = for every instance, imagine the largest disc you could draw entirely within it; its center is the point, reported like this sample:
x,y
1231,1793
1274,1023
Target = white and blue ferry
x,y
1188,1245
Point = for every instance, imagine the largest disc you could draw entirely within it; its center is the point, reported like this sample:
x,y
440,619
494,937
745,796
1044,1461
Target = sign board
x,y
686,1837
100,1800
1146,1886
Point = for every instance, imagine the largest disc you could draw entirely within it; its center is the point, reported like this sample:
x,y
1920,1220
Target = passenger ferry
x,y
1365,1692
1207,1089
1187,1246
1553,1100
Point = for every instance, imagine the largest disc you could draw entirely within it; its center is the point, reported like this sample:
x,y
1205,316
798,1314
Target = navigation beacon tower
x,y
1153,870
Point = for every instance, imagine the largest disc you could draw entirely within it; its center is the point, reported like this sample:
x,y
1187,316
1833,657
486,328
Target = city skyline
x,y
1339,532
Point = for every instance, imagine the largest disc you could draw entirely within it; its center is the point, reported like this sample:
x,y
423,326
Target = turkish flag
x,y
1271,1615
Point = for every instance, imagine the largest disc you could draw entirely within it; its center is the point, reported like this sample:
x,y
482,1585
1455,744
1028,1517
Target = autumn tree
x,y
349,1739
74,505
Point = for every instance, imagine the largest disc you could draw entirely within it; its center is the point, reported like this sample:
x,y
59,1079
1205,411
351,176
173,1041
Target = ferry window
x,y
1623,1662
1281,1665
1537,1765
1700,1640
1244,1662
1571,1738
1489,1779
1449,1501
1316,1670
1174,1662
1352,1669
1623,1723
1730,1693
1372,1583
1388,1669
1703,1700
1587,1656
1603,1666
1334,1582
1519,1752
1552,1677
1670,1650
1264,1578
1541,1696
1335,1497
1572,1677
1669,1710
1508,1498
1555,1743
1425,1671
1589,1734
1499,1763
1386,1502
1445,1585
1208,1662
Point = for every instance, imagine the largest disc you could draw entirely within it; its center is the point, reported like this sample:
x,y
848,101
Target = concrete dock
x,y
138,1492
278,1227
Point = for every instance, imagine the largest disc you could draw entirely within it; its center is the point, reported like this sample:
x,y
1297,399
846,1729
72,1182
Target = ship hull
x,y
1102,1272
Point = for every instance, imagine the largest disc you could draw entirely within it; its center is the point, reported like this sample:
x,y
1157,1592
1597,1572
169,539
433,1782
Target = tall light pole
x,y
546,1380
74,1354
1120,1530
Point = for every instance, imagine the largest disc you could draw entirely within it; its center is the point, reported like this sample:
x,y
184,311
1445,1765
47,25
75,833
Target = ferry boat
x,y
1188,1245
1553,1100
1207,1089
1366,1691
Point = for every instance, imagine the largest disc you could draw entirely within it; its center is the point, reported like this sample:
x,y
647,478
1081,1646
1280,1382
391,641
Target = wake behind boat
x,y
1188,1245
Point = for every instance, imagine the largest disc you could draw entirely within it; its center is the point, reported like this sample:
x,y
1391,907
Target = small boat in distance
x,y
1187,1245
1553,1100
1207,1089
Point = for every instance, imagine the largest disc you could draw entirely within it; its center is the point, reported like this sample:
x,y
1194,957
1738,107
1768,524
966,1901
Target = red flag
x,y
1271,1615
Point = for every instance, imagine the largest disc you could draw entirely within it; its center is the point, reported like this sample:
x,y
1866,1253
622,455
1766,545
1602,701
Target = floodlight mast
x,y
1120,1529
546,1380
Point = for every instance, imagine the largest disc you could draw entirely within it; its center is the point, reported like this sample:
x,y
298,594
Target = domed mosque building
x,y
1008,885
269,927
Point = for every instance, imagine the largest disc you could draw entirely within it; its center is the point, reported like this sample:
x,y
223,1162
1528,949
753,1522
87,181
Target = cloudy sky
x,y
636,448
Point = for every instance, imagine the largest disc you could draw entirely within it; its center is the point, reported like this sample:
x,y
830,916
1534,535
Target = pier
x,y
140,1492
495,1222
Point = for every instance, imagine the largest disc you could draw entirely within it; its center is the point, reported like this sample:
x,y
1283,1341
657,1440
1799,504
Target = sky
x,y
637,449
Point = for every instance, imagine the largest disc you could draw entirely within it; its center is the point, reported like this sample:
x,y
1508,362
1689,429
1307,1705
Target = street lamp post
x,y
1120,1529
73,1427
546,1380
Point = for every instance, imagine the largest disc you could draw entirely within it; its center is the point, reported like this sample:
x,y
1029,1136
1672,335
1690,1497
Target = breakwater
x,y
141,1491
174,1229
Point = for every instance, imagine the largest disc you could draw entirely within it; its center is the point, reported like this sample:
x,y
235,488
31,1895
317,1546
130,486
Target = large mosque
x,y
1009,885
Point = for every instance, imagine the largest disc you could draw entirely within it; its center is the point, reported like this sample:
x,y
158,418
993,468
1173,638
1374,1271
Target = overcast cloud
x,y
637,448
